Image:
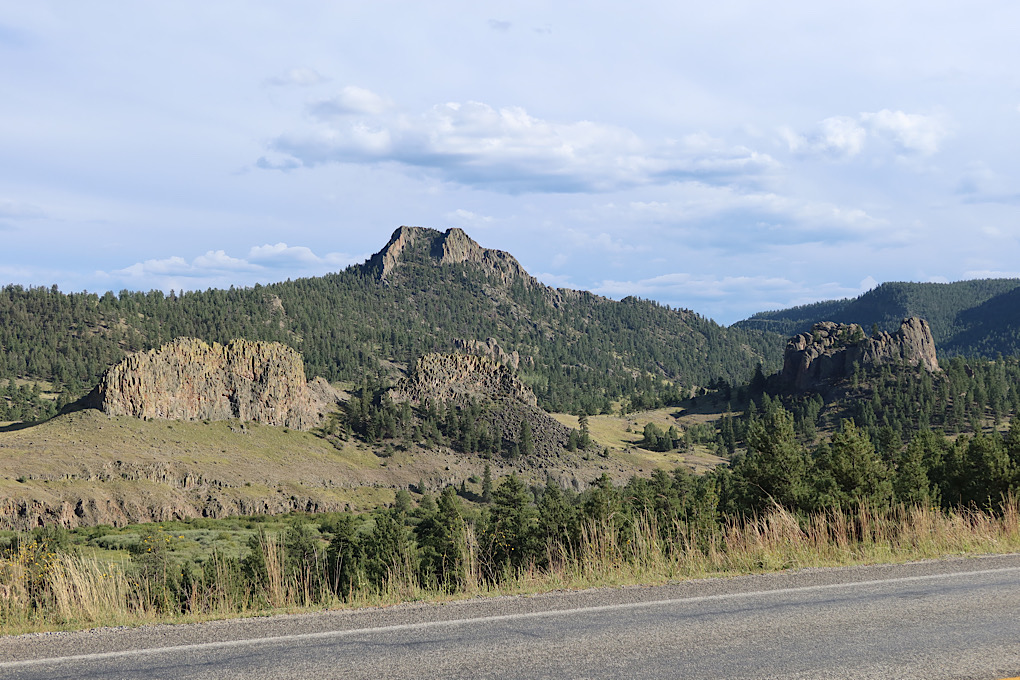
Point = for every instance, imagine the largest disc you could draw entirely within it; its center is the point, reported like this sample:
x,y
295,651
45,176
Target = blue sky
x,y
725,157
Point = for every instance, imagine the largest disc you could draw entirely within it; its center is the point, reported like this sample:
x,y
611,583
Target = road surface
x,y
956,618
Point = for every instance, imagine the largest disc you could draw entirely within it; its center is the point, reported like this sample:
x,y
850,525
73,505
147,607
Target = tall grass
x,y
42,589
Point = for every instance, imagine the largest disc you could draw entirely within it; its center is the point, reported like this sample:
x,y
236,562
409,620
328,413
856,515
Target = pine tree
x,y
487,484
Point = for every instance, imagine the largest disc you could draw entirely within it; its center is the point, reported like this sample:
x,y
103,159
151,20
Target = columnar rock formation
x,y
830,351
491,349
188,379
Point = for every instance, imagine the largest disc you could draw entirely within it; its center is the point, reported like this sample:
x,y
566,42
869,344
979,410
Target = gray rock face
x,y
441,248
509,403
188,379
450,377
491,349
829,352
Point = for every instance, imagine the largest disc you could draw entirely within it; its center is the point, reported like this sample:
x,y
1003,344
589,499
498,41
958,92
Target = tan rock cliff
x,y
188,379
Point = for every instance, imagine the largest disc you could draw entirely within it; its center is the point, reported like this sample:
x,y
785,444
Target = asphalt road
x,y
947,619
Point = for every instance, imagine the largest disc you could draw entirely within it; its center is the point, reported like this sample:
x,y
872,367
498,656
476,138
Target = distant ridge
x,y
976,317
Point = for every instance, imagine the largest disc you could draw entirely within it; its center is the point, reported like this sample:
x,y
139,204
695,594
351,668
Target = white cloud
x,y
215,268
555,280
351,100
991,274
868,283
697,212
281,256
846,137
299,77
604,242
912,132
509,150
842,135
468,219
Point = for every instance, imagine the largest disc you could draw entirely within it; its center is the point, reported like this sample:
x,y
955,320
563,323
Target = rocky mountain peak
x,y
830,351
187,379
429,246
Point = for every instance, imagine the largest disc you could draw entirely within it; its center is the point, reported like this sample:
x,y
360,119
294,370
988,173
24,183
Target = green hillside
x,y
578,351
966,317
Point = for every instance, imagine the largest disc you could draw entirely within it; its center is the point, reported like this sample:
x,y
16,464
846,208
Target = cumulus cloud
x,y
509,150
846,137
215,268
282,256
351,100
466,218
297,77
911,132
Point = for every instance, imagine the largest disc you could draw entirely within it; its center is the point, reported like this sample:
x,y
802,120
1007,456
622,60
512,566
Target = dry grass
x,y
621,435
90,457
42,591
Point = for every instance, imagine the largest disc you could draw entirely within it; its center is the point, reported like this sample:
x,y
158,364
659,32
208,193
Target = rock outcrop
x,y
830,351
491,349
449,377
188,379
424,245
442,379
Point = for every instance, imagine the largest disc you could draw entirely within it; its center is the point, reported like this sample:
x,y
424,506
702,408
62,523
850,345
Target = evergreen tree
x,y
774,468
487,484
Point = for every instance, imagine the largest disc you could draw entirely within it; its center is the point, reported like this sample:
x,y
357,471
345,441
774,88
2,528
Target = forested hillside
x,y
426,291
966,317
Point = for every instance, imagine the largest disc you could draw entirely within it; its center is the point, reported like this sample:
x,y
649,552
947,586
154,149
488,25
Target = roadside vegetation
x,y
515,540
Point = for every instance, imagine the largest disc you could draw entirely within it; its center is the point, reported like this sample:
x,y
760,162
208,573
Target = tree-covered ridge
x,y
966,317
581,351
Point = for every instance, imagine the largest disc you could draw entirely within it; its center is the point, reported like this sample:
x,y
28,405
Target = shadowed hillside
x,y
976,317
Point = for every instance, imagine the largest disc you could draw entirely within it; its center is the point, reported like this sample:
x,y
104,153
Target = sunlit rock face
x,y
188,379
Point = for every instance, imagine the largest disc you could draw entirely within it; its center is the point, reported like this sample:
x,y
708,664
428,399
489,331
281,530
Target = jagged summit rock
x,y
429,246
187,379
829,352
